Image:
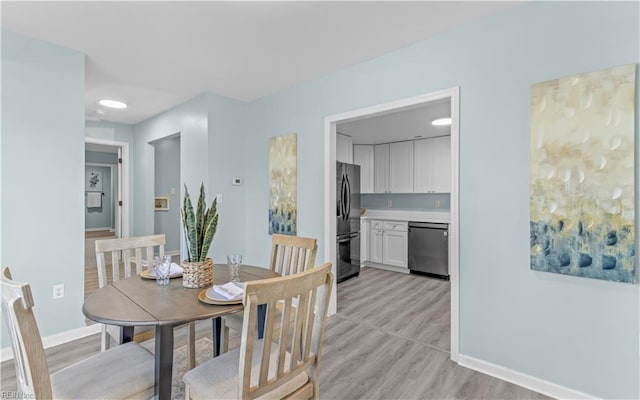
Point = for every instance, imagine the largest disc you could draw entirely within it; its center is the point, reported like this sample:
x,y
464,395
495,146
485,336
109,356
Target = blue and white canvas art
x,y
582,175
283,184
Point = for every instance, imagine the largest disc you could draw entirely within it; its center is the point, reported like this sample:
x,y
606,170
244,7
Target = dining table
x,y
136,301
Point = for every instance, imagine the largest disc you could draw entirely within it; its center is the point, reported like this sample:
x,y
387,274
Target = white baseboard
x,y
527,381
58,339
106,228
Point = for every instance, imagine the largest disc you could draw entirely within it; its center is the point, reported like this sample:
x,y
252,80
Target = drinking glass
x,y
162,265
234,261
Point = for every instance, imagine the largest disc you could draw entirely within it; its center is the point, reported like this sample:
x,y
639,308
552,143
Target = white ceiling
x,y
155,55
409,124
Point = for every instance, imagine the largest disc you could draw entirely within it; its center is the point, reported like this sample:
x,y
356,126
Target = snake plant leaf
x,y
192,233
210,231
200,220
186,237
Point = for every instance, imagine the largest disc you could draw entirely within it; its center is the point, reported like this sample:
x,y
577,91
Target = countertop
x,y
408,215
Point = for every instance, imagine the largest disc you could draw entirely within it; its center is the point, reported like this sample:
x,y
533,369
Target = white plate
x,y
213,295
151,274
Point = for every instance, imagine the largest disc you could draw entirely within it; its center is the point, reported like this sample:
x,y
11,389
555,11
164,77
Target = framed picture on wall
x,y
93,182
161,204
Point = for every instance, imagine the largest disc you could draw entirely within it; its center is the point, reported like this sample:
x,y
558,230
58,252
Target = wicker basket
x,y
197,274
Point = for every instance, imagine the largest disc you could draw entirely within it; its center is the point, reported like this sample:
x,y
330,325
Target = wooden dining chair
x,y
289,255
137,255
286,362
123,372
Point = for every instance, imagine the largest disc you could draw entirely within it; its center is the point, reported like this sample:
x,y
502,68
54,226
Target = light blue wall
x,y
406,201
211,151
43,176
579,333
101,217
167,177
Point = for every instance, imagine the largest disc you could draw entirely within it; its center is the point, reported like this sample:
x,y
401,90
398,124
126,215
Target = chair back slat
x,y
266,348
121,249
246,349
298,346
298,326
292,254
308,328
283,338
32,372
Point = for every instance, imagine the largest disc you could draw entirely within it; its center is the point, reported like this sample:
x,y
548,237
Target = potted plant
x,y
199,228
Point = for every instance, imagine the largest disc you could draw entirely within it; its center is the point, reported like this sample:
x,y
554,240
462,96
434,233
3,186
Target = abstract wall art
x,y
582,163
93,181
283,184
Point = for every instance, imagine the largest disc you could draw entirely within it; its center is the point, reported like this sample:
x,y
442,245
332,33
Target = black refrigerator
x,y
348,221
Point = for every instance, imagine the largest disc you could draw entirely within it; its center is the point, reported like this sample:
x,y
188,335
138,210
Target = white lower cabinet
x,y
389,243
376,245
365,233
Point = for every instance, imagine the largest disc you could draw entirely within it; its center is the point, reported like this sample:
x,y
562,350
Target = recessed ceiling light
x,y
112,103
441,121
99,111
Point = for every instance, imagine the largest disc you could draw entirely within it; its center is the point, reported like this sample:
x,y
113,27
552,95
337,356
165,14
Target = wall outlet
x,y
58,291
219,198
389,203
172,191
436,204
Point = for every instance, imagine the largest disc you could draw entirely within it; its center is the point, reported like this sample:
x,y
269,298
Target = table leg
x,y
126,334
216,326
164,362
262,313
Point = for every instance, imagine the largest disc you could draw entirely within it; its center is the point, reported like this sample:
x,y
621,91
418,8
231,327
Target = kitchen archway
x,y
331,122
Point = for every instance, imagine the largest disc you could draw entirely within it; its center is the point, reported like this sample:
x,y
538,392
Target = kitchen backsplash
x,y
406,201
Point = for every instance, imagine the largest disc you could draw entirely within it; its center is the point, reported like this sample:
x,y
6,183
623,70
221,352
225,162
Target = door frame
x,y
330,123
126,204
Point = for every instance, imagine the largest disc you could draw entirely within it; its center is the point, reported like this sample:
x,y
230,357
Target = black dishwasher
x,y
429,249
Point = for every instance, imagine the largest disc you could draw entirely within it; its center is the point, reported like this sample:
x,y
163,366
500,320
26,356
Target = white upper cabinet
x,y
432,165
344,148
381,168
393,167
442,164
363,156
401,167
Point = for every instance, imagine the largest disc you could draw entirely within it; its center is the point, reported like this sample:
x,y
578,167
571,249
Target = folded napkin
x,y
229,291
175,269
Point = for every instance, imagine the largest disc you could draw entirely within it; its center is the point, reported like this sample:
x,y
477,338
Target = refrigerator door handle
x,y
348,204
344,198
341,199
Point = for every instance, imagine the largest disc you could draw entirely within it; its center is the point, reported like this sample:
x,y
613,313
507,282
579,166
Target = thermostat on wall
x,y
237,181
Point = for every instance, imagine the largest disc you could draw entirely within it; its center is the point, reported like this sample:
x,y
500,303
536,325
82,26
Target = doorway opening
x,y
167,219
106,193
336,130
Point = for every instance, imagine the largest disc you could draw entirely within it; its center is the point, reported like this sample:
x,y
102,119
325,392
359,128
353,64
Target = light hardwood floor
x,y
389,340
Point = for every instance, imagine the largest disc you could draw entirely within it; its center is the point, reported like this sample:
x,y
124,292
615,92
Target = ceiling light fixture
x,y
112,103
441,121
